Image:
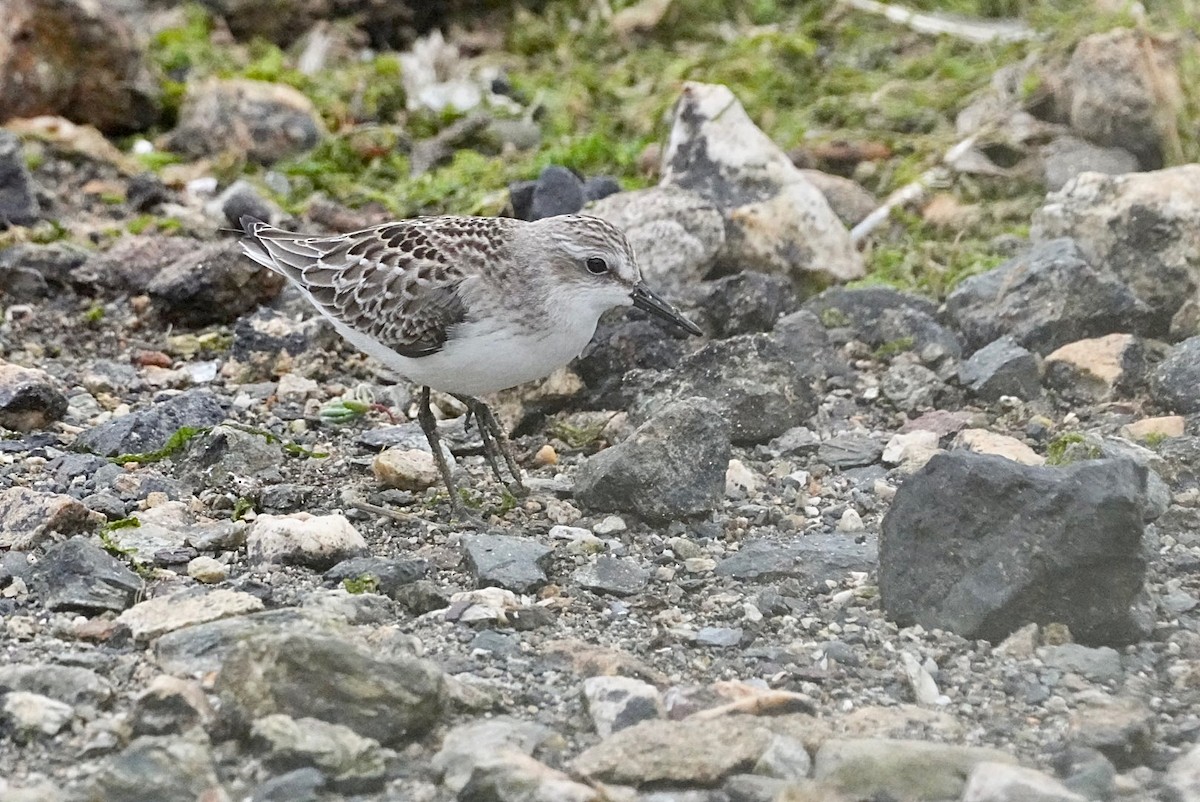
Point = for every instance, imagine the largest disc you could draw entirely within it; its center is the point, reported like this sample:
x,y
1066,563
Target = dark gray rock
x,y
169,705
557,191
205,647
673,466
1175,383
30,272
1002,367
28,517
146,191
18,200
215,284
813,559
980,545
131,263
1087,772
804,341
261,338
242,200
1044,299
301,785
388,698
514,563
743,303
158,769
72,685
29,399
850,451
755,385
221,456
389,575
599,187
148,429
76,575
622,344
616,575
352,763
910,386
1098,664
889,321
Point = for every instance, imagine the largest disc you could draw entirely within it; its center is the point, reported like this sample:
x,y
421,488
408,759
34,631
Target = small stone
x,y
207,570
610,525
1003,782
406,469
168,768
616,575
154,617
981,441
910,387
850,451
77,575
850,521
318,541
1065,157
911,450
30,714
614,703
18,199
740,481
150,428
28,517
1098,369
1001,367
905,769
29,399
512,563
785,757
1165,426
352,762
1175,382
1101,664
557,191
1121,728
546,455
294,387
725,637
170,705
386,576
469,744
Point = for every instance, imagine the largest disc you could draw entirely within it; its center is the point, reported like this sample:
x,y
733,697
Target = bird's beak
x,y
644,298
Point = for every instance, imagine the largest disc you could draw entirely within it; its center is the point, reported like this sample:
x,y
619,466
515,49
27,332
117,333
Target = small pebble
x,y
207,570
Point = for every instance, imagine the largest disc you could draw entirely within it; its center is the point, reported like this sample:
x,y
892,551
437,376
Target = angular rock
x,y
619,347
1118,88
163,768
18,199
225,455
980,546
911,387
616,575
1044,299
406,469
154,617
204,647
675,234
1144,228
29,399
1065,157
28,517
387,575
29,715
1098,369
814,559
170,705
1004,782
318,541
868,767
150,428
131,263
301,785
1175,382
889,321
70,685
850,201
1161,427
260,121
74,59
1001,367
775,220
615,703
77,575
1120,728
1101,664
467,745
672,466
754,383
514,776
556,191
744,303
354,764
31,272
214,284
850,451
513,563
387,698
981,441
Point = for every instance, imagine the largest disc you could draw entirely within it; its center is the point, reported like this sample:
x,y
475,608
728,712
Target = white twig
x,y
977,31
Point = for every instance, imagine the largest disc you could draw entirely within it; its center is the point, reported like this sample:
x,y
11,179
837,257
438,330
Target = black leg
x,y
429,426
495,443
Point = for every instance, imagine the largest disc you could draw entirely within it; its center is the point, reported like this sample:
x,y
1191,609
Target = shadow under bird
x,y
465,305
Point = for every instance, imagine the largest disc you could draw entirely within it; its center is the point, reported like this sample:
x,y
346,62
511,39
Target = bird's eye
x,y
597,266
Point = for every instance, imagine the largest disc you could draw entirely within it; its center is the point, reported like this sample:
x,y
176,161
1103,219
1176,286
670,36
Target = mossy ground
x,y
808,73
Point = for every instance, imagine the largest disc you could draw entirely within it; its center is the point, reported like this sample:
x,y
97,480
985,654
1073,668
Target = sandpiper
x,y
465,305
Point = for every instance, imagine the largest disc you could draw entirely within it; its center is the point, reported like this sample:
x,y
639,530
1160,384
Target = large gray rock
x,y
743,303
28,517
213,284
671,467
515,563
158,768
776,221
1142,227
79,576
888,320
981,545
388,698
752,379
18,202
150,428
1001,368
1044,299
1175,383
1065,157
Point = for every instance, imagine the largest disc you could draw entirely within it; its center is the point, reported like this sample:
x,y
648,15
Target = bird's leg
x,y
429,426
495,442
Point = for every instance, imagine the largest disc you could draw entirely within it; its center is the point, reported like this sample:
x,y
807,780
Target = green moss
x,y
833,318
361,584
1155,439
577,436
94,314
242,506
891,349
1070,447
176,443
109,544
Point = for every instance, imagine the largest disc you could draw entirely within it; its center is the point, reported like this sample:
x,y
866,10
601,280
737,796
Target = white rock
x,y
617,702
33,713
406,469
912,449
1001,782
981,441
162,614
1183,777
740,481
850,521
207,570
294,387
611,525
305,539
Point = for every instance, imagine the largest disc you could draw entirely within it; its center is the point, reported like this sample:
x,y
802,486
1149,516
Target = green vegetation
x,y
94,314
1070,447
361,584
898,346
173,445
109,544
577,436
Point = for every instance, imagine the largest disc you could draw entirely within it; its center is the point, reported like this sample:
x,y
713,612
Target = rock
x,y
154,617
1044,299
850,451
389,698
353,763
911,450
301,785
208,570
31,272
214,284
675,234
18,199
170,705
867,767
618,347
740,481
1002,367
672,466
70,685
1101,664
29,715
225,457
744,303
815,559
467,745
1120,728
556,191
161,768
722,637
28,517
1162,427
388,576
1065,157
1175,382
406,469
318,541
775,220
750,377
615,575
204,647
848,199
910,387
1183,777
805,343
980,546
266,341
1143,227
1003,782
981,441
514,777
1097,370
614,703
890,321
149,429
74,59
76,575
513,563
29,399
1118,88
260,121
691,751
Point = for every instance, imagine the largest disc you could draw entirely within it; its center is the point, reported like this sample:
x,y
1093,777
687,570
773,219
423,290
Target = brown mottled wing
x,y
399,282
